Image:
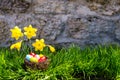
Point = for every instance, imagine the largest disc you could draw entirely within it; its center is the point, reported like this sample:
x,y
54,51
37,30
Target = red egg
x,y
42,59
32,54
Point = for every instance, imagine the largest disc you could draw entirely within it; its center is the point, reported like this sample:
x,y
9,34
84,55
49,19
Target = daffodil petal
x,y
16,45
12,46
42,40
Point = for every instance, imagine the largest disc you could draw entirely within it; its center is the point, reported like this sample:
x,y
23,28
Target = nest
x,y
40,65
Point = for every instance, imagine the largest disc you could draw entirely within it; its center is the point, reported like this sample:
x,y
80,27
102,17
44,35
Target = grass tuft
x,y
74,63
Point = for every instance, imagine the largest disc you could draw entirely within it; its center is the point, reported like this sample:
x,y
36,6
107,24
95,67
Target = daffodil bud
x,y
52,49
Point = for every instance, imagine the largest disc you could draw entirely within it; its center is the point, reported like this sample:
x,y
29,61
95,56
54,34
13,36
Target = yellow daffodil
x,y
52,49
16,46
16,32
30,31
39,44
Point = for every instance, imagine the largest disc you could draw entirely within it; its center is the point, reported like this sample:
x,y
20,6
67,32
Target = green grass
x,y
90,63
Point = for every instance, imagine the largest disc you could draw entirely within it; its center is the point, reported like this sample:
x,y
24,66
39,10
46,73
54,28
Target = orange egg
x,y
42,59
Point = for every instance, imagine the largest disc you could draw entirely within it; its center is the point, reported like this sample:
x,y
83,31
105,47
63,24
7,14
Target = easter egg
x,y
28,57
41,55
37,56
42,59
32,54
33,59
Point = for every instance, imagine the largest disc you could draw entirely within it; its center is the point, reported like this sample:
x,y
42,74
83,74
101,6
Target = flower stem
x,y
30,42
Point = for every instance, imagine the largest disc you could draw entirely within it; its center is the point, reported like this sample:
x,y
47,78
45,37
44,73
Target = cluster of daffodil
x,y
29,32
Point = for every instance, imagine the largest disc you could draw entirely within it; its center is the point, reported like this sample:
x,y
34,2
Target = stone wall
x,y
62,22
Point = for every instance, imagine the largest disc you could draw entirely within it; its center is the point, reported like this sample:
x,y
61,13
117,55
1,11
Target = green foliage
x,y
90,63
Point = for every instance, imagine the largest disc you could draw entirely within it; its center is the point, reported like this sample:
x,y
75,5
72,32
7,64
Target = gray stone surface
x,y
62,22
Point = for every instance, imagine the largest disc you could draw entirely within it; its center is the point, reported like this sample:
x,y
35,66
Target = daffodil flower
x,y
30,31
52,49
16,45
39,44
16,32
